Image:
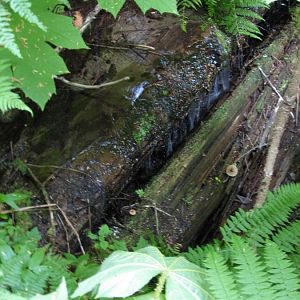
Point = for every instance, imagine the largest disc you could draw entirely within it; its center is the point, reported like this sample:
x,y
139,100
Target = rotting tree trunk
x,y
193,184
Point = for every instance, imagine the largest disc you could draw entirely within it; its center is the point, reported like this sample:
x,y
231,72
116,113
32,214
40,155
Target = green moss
x,y
145,125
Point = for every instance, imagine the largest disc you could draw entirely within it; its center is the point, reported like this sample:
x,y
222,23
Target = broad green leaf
x,y
34,74
149,296
6,252
112,6
6,295
185,280
124,273
61,293
163,6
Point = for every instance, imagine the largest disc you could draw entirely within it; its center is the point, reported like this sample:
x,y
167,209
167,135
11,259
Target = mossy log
x,y
188,189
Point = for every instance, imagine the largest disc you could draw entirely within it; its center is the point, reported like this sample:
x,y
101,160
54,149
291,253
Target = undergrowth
x,y
258,258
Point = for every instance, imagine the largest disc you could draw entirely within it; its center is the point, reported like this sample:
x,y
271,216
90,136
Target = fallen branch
x,y
280,119
91,87
46,197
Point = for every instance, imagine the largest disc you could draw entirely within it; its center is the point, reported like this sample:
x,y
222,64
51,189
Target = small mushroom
x,y
232,170
132,212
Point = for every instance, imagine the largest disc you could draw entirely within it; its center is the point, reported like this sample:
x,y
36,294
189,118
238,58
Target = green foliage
x,y
140,193
236,15
9,99
144,128
105,243
182,278
162,6
27,27
185,4
236,268
260,224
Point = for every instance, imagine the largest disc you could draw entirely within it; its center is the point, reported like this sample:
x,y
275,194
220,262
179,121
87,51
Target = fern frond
x,y
220,278
7,37
288,238
259,224
23,8
282,275
185,4
58,268
249,270
8,99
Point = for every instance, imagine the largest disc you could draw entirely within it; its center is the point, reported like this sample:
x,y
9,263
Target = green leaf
x,y
112,6
6,295
12,198
149,296
163,6
34,73
185,280
36,259
124,273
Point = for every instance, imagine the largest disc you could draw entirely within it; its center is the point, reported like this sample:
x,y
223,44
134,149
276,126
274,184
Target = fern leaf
x,y
249,271
288,238
8,99
185,4
260,224
7,38
281,273
220,278
23,8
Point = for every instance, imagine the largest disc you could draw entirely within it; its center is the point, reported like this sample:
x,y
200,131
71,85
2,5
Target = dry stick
x,y
27,208
297,107
58,167
72,227
281,114
46,197
90,17
91,87
51,205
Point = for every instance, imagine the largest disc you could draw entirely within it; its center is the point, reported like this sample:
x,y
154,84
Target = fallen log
x,y
188,190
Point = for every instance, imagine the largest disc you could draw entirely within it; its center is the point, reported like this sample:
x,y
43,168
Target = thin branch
x,y
124,47
72,227
91,87
50,206
46,197
89,19
27,208
271,85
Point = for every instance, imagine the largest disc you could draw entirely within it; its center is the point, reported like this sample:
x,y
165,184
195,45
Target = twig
x,y
89,19
12,150
72,227
58,167
158,209
46,197
91,87
249,151
271,85
66,232
297,107
27,208
126,47
52,205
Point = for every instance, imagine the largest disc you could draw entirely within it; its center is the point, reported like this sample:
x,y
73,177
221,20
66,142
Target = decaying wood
x,y
189,187
280,120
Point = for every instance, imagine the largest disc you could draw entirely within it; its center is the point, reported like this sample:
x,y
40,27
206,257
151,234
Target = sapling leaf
x,y
124,273
163,6
12,198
